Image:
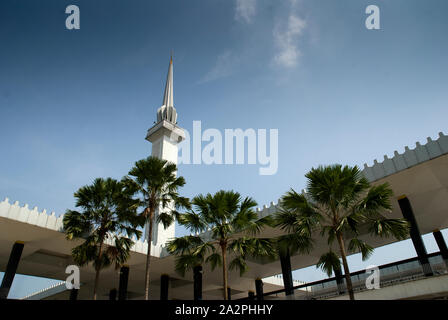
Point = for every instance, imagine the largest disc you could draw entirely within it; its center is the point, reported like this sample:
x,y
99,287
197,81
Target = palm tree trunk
x,y
148,256
224,270
97,279
346,269
97,269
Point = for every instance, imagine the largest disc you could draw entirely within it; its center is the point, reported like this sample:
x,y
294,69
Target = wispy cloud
x,y
225,65
286,37
245,10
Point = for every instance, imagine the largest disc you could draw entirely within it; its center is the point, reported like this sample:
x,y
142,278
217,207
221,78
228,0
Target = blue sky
x,y
76,104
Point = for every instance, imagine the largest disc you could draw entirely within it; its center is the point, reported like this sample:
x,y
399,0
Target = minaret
x,y
165,136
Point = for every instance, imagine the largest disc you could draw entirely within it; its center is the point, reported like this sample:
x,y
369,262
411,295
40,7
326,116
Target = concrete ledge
x,y
50,221
418,289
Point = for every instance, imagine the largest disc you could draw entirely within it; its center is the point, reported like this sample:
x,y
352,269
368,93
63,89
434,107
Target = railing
x,y
390,274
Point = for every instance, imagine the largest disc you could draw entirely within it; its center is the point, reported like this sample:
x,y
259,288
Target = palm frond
x,y
356,245
297,214
254,227
185,263
377,199
214,259
192,221
184,245
294,243
330,232
166,218
108,210
329,262
239,263
398,228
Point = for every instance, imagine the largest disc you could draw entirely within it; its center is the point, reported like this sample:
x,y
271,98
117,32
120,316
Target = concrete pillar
x,y
74,294
285,262
442,245
123,285
259,289
113,294
251,295
197,276
339,280
408,214
164,284
11,269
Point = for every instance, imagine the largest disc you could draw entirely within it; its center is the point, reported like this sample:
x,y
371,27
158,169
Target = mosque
x,y
32,242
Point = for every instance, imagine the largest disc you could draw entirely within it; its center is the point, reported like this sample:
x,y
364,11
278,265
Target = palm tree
x,y
155,181
340,203
191,252
107,212
232,224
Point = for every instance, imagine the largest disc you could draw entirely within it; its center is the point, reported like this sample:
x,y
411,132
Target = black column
x,y
164,283
11,269
123,285
416,237
251,295
197,276
74,294
339,280
259,289
229,293
285,262
113,294
442,245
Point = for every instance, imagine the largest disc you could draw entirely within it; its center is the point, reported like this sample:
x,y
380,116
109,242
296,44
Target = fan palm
x,y
107,212
155,181
340,203
232,224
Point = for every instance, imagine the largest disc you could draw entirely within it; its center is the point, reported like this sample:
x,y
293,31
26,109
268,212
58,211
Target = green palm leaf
x,y
231,224
340,204
155,183
329,262
108,211
356,245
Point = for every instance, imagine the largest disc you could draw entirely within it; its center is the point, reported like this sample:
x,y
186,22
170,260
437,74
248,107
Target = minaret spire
x,y
167,110
165,135
168,96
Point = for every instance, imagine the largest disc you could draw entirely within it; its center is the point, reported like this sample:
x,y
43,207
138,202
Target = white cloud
x,y
286,37
245,10
225,65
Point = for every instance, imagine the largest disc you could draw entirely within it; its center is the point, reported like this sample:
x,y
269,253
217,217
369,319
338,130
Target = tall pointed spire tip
x,y
168,95
167,111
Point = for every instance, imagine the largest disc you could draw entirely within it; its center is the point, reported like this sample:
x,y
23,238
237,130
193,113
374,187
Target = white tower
x,y
165,135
